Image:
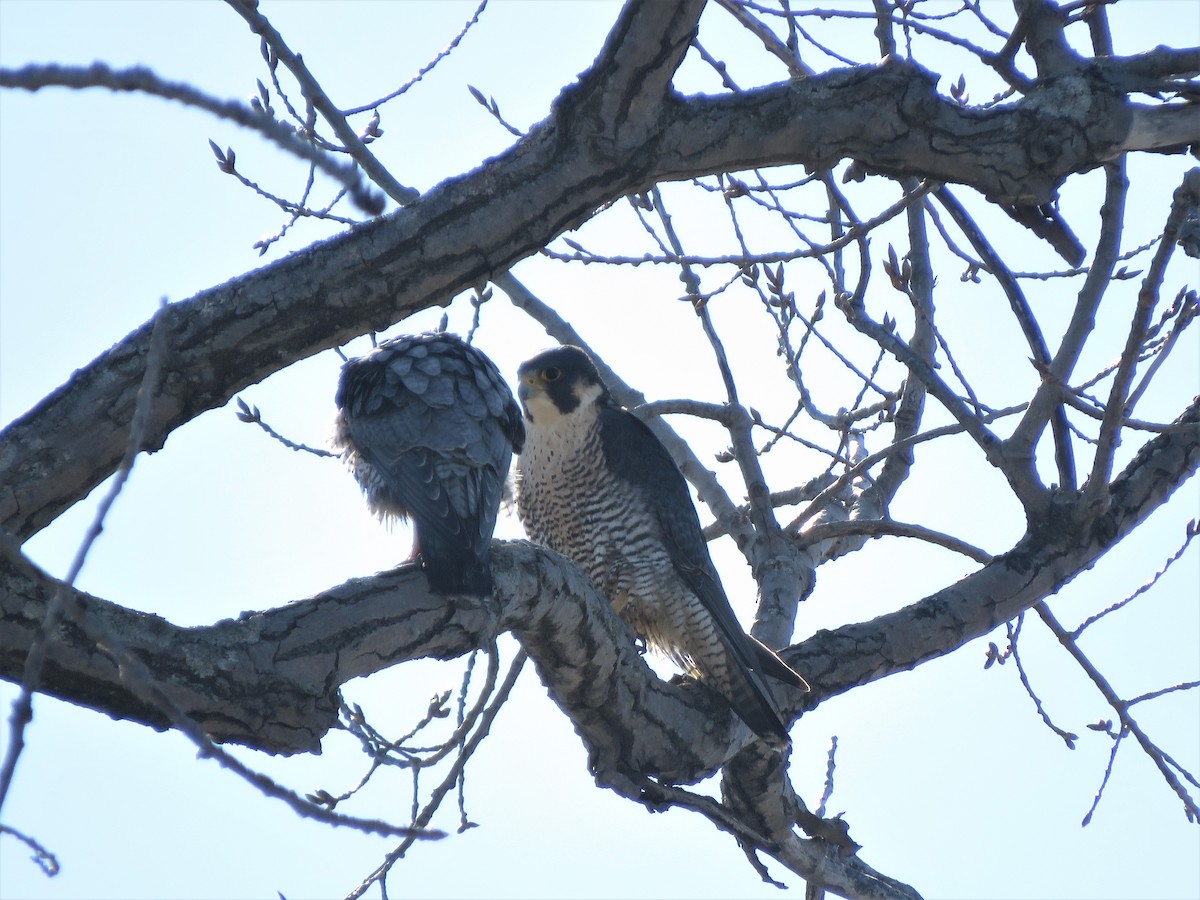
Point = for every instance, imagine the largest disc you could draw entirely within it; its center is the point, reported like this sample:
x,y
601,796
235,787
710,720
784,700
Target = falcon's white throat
x,y
552,437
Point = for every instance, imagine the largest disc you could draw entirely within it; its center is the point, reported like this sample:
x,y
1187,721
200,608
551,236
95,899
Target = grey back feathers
x,y
428,427
596,485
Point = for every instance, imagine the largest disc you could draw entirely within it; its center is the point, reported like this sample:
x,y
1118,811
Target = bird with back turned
x,y
428,427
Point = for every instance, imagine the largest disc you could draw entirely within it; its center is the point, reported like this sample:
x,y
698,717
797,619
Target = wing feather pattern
x,y
636,455
428,427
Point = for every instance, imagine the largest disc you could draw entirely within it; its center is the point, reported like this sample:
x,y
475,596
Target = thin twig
x,y
1121,707
830,765
1192,529
425,69
744,260
795,66
251,416
320,101
1014,633
1162,692
1185,311
1020,478
817,503
45,860
143,80
880,527
1112,758
22,708
470,745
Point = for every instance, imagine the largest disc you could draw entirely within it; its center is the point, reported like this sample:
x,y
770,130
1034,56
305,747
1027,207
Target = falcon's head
x,y
557,383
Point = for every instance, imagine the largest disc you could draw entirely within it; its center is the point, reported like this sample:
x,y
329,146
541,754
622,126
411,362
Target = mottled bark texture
x,y
618,129
269,679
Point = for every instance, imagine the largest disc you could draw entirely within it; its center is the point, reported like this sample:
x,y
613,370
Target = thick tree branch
x,y
891,118
1156,127
1057,547
1042,22
473,227
269,680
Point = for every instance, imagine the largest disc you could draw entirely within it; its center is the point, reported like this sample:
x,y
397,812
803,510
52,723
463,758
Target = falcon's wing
x,y
431,427
637,455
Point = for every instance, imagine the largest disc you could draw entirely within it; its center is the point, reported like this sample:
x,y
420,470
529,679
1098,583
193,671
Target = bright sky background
x,y
108,203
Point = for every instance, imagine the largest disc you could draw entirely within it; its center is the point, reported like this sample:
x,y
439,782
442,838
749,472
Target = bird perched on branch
x,y
596,485
428,427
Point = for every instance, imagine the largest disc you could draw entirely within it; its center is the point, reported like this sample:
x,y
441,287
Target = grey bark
x,y
606,136
269,679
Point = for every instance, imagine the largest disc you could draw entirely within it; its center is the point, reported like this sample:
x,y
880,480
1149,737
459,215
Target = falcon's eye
x,y
550,373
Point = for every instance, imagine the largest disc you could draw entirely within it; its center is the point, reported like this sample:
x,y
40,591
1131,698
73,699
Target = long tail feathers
x,y
749,698
452,565
769,663
738,674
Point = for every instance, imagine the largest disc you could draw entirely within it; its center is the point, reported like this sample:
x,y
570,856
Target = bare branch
x,y
878,527
1025,319
1021,443
795,66
277,695
1020,475
861,467
425,69
1014,634
1187,196
1159,127
1193,528
422,819
251,416
745,259
1112,758
315,94
35,658
142,80
1121,708
45,860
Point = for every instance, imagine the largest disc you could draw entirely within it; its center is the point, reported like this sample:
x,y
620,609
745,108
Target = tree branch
x,y
473,227
315,94
1047,400
1048,557
142,80
269,679
1187,196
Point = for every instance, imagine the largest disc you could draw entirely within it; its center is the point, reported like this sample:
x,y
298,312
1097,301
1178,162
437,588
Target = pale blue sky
x,y
945,774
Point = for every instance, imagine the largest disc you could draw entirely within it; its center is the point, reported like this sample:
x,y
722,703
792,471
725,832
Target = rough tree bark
x,y
270,679
474,227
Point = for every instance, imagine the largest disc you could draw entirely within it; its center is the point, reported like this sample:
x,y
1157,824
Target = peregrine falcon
x,y
428,427
596,485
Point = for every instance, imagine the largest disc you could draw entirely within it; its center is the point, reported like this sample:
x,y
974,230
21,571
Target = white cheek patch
x,y
541,409
587,394
546,414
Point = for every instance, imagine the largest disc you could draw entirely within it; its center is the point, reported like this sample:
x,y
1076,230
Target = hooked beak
x,y
528,386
